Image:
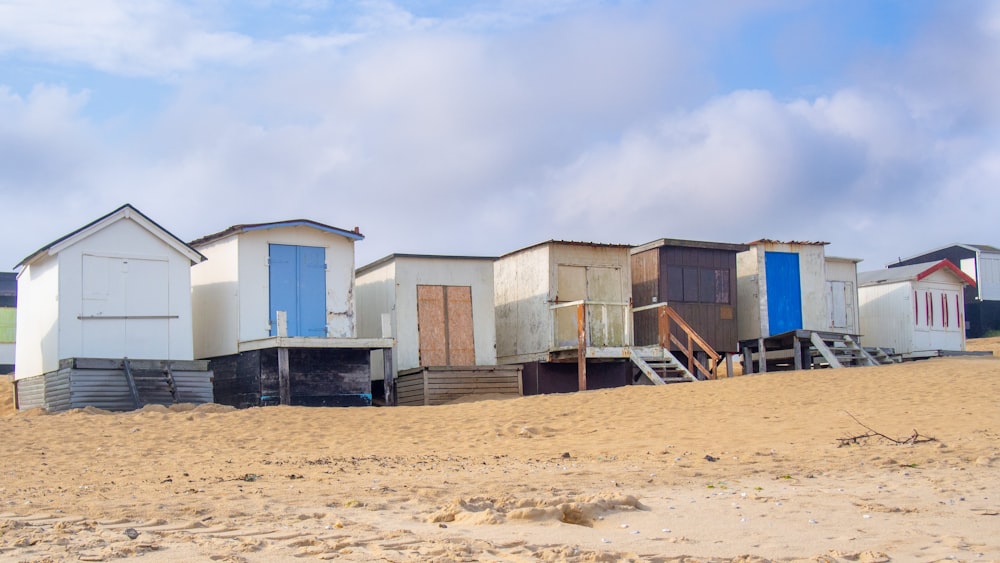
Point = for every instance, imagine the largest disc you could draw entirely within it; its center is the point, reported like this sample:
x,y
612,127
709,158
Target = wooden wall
x,y
317,377
698,283
440,385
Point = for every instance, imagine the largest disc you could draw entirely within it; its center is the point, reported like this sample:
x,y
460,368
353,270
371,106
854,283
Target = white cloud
x,y
142,37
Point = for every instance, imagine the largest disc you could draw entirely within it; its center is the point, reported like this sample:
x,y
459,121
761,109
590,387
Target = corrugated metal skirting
x,y
101,383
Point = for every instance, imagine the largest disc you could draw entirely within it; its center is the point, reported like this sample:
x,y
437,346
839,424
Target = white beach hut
x,y
274,312
916,310
440,312
104,318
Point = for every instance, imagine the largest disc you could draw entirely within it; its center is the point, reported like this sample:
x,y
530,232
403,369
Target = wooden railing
x,y
594,316
666,318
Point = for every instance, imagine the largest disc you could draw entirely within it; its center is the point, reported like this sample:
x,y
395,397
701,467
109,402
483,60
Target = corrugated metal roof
x,y
391,257
235,229
123,210
570,243
799,242
913,272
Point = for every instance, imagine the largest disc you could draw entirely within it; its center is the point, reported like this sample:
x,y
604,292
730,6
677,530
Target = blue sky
x,y
482,127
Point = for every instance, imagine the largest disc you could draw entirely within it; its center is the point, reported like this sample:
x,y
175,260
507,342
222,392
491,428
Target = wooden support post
x,y
729,365
747,360
761,356
797,353
663,328
807,361
281,318
581,336
690,355
389,381
284,387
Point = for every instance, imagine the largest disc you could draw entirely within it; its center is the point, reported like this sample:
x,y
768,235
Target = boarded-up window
x,y
445,326
8,318
697,285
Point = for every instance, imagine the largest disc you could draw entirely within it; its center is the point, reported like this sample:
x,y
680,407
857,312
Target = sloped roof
x,y
236,229
568,243
395,256
913,272
977,248
126,211
799,242
689,244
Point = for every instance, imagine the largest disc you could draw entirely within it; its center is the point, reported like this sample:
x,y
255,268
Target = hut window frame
x,y
692,284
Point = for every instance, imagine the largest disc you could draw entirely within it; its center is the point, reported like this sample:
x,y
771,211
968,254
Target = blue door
x,y
297,279
784,292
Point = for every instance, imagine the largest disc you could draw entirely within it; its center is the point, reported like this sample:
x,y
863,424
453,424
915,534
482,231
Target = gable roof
x,y
913,272
128,212
237,229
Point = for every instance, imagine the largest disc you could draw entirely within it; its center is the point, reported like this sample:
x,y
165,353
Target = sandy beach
x,y
751,468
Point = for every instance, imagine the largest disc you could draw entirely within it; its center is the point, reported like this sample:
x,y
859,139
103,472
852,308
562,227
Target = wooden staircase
x,y
659,366
150,386
839,350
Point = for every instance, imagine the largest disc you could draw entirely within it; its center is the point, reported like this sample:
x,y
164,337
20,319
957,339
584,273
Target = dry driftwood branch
x,y
915,438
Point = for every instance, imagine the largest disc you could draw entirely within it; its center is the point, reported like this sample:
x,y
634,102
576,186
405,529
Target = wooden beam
x,y
389,381
797,353
581,338
761,356
284,386
824,350
747,360
729,365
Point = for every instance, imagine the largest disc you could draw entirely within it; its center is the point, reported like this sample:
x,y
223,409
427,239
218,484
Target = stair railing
x,y
666,317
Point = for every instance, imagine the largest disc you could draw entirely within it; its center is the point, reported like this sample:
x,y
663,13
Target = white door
x,y
125,309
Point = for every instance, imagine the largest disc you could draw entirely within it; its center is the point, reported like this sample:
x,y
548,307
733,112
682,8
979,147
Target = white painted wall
x,y
989,276
890,317
375,294
237,271
751,287
522,285
392,288
254,286
37,345
215,299
49,327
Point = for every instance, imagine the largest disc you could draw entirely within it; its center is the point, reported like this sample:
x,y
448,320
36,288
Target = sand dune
x,y
744,469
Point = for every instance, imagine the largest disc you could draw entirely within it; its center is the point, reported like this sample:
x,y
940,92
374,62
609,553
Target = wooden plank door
x,y
571,285
445,329
605,323
840,306
784,292
297,285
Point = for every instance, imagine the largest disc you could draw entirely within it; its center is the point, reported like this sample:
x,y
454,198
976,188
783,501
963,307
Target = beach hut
x,y
695,282
981,301
563,312
275,316
785,319
104,319
439,312
915,310
8,320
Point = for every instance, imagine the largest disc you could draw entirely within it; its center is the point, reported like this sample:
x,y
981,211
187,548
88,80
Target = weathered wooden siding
x,y
523,294
440,385
551,377
842,295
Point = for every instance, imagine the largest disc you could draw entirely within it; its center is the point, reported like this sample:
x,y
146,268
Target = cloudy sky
x,y
474,127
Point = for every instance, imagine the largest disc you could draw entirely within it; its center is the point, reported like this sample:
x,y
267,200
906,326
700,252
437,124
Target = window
x,y
8,316
688,284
